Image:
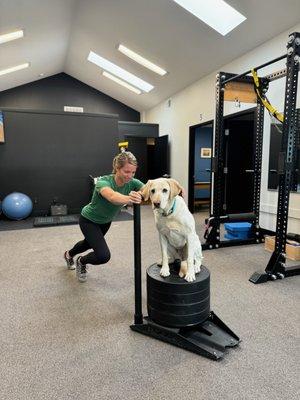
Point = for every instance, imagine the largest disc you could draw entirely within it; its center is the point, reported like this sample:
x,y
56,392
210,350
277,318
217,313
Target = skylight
x,y
120,82
119,72
216,13
141,60
7,37
13,69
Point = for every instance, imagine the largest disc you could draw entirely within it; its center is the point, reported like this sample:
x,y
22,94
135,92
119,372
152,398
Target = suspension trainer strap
x,y
272,110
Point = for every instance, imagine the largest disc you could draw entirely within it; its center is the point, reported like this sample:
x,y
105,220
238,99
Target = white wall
x,y
198,100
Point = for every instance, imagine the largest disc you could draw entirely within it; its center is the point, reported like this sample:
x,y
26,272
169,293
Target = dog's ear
x,y
175,188
145,191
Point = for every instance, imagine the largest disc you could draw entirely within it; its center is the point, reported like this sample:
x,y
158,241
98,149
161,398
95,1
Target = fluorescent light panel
x,y
119,72
11,36
141,60
120,82
13,69
216,13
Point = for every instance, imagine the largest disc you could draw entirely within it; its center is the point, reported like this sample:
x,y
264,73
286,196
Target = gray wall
x,y
57,91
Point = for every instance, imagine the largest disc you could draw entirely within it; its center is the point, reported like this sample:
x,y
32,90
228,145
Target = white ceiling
x,y
60,33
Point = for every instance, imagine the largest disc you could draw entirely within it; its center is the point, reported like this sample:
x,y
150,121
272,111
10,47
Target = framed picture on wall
x,y
2,140
205,152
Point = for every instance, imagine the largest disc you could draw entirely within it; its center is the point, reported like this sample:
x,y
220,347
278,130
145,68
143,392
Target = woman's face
x,y
126,173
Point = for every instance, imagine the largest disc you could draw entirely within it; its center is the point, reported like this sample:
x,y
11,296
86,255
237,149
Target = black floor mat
x,y
57,220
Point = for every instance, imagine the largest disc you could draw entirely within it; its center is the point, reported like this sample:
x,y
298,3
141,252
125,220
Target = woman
x,y
111,192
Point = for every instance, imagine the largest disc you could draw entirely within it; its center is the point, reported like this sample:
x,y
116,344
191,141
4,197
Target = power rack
x,y
276,267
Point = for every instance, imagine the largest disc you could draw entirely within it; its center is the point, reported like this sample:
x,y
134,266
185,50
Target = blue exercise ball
x,y
17,206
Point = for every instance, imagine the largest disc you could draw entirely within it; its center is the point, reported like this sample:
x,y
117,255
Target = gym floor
x,y
61,339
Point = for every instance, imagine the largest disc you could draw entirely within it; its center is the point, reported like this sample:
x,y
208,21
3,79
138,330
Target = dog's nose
x,y
156,205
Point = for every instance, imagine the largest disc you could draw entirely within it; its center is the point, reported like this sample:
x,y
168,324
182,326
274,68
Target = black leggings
x,y
93,239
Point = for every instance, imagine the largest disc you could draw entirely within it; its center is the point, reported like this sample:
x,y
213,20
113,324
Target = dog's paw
x,y
197,269
190,277
183,269
165,272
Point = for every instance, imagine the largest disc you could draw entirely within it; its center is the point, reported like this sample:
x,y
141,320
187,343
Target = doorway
x,y
200,153
152,154
239,151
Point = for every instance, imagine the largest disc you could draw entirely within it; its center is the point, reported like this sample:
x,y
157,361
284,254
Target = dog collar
x,y
171,209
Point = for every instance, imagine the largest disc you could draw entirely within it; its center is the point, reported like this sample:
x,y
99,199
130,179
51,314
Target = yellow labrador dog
x,y
176,227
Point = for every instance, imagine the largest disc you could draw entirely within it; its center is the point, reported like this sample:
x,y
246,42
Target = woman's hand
x,y
135,197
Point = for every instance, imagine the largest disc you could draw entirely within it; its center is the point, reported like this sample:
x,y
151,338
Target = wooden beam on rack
x,y
240,91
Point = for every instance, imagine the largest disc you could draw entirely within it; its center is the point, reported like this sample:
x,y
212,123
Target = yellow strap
x,y
255,78
269,107
123,144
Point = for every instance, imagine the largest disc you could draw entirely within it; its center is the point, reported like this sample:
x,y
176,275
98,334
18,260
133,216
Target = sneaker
x,y
81,272
69,260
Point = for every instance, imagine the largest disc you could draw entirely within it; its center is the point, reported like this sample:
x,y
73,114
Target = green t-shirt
x,y
102,211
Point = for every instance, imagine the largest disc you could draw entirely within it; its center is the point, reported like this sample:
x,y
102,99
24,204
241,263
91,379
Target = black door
x,y
158,161
138,146
152,155
239,164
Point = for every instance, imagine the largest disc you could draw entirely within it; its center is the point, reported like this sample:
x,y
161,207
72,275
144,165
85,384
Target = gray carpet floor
x,y
61,339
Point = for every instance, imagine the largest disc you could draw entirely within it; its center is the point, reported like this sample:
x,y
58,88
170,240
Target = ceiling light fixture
x,y
141,60
7,37
13,69
216,13
119,72
120,82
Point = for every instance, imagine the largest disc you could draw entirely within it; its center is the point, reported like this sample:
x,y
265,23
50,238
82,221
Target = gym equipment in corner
x,y
276,267
253,89
179,311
